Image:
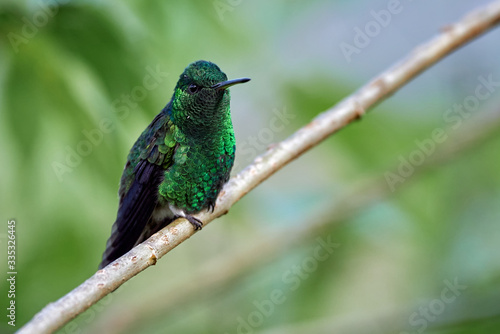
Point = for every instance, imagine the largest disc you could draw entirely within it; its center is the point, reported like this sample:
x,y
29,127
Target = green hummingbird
x,y
180,162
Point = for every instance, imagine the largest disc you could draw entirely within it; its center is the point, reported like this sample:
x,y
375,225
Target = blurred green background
x,y
333,243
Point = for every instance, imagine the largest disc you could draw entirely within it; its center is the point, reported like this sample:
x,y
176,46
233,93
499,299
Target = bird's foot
x,y
197,224
211,207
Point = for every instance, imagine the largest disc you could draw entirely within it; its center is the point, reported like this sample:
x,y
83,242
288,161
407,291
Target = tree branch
x,y
57,314
223,272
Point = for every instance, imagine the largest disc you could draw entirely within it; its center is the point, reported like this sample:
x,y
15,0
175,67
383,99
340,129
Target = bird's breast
x,y
196,176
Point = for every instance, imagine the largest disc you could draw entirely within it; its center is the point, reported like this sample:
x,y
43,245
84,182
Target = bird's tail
x,y
116,247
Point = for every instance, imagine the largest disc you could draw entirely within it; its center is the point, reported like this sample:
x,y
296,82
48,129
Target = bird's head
x,y
201,97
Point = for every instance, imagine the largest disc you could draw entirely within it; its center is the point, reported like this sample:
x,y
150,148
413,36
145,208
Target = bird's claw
x,y
211,207
197,224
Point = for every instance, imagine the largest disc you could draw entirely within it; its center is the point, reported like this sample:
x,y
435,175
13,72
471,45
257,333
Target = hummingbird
x,y
180,162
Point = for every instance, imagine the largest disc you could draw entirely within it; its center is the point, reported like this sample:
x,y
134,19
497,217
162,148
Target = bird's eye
x,y
193,88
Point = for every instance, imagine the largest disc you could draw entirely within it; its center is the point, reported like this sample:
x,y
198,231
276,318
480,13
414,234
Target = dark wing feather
x,y
148,159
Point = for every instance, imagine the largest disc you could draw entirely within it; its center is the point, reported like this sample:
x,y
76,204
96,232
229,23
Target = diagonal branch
x,y
57,314
223,272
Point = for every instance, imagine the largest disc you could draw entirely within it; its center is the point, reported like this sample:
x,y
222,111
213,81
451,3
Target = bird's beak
x,y
226,84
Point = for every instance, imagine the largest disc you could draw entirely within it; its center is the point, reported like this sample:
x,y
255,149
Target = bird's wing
x,y
148,159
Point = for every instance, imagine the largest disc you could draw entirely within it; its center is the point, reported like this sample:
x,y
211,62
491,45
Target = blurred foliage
x,y
73,100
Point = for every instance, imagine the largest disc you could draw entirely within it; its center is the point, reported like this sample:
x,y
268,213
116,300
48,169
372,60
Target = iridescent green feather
x,y
151,145
180,162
